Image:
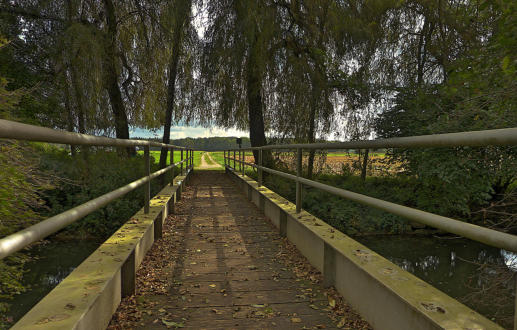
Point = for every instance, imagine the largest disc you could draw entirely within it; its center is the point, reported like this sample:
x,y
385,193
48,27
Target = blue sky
x,y
179,132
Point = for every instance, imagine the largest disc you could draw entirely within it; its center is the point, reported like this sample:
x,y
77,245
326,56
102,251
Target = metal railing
x,y
17,131
498,137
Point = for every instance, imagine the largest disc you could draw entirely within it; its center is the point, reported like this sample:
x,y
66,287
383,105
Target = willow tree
x,y
241,40
181,43
322,73
82,49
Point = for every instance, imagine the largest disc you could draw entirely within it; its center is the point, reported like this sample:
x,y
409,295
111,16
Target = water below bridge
x,y
438,261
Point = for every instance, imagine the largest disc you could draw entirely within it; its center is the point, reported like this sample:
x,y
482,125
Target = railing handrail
x,y
498,137
18,131
493,137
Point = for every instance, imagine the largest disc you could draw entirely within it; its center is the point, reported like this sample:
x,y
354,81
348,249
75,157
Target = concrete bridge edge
x,y
89,296
387,296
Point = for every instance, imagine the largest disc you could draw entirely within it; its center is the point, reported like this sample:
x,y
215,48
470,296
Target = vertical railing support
x,y
224,157
298,183
515,303
240,161
174,168
243,168
260,173
147,187
234,168
181,162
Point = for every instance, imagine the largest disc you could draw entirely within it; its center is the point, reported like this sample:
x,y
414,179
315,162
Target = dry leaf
x,y
332,302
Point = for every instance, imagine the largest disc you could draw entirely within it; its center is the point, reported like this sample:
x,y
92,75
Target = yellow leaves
x,y
212,285
296,320
3,41
332,302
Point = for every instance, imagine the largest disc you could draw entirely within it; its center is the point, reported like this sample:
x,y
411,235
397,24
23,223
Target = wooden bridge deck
x,y
222,265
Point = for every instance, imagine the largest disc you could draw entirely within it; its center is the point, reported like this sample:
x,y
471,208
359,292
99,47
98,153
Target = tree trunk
x,y
69,118
364,165
111,77
255,106
182,16
316,94
171,85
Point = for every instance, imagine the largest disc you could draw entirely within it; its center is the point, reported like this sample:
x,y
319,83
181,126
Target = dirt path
x,y
204,165
222,265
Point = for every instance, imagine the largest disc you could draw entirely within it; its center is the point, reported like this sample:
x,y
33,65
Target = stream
x,y
51,262
449,264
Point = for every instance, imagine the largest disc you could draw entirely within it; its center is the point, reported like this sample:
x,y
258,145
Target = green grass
x,y
208,160
177,156
218,157
353,154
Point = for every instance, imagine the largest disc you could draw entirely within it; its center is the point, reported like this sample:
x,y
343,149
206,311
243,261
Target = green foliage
x,y
21,183
479,93
11,274
350,217
85,179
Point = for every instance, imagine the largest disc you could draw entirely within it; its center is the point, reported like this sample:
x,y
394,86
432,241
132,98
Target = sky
x,y
179,132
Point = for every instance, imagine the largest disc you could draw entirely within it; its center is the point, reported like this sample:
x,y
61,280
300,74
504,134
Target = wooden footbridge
x,y
218,250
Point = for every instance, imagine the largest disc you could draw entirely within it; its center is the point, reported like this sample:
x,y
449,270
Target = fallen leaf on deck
x,y
172,324
341,323
332,302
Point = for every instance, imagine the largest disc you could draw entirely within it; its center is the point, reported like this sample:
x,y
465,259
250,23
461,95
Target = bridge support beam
x,y
329,265
283,224
128,276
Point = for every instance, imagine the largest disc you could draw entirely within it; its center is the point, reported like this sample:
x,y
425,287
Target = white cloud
x,y
179,132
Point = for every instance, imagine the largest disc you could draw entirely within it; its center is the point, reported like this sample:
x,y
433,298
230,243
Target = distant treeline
x,y
209,144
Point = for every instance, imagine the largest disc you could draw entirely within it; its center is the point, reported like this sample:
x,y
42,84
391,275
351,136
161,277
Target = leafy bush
x,y
20,185
85,178
355,219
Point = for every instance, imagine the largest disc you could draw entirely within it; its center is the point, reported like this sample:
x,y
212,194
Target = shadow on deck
x,y
222,265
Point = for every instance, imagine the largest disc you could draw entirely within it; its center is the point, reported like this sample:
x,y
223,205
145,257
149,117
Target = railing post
x,y
260,178
298,184
242,162
172,163
515,304
234,168
147,187
224,158
181,162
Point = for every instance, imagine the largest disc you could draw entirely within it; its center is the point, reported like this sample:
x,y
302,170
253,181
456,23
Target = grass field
x,y
218,157
177,156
